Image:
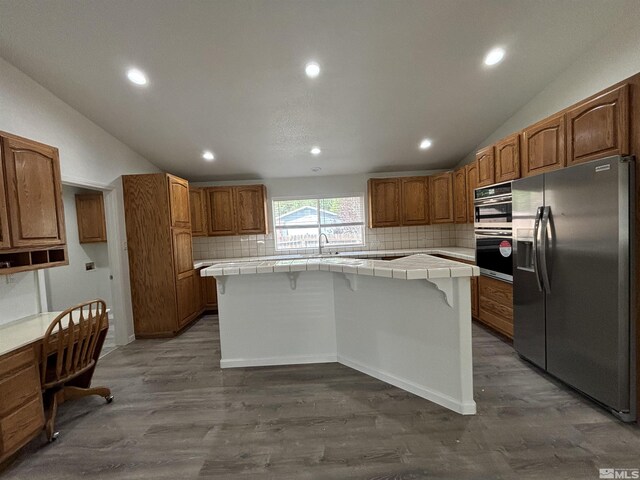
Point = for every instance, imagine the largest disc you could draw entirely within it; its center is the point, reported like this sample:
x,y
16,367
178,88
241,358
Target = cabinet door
x,y
474,297
90,215
220,212
200,291
599,128
34,193
486,166
186,291
415,200
472,184
197,204
508,159
442,198
182,251
460,195
210,292
251,209
179,202
384,202
543,146
5,239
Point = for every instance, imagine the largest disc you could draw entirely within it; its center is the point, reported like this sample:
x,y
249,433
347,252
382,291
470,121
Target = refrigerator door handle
x,y
536,266
546,212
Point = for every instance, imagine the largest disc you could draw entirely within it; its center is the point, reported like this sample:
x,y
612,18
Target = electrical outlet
x,y
89,266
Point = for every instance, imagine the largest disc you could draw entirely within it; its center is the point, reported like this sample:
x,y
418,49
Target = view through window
x,y
300,221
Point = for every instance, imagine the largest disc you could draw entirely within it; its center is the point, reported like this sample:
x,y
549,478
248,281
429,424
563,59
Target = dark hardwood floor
x,y
177,415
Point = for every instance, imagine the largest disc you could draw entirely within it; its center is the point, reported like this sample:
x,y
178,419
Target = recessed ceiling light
x,y
207,155
494,57
316,169
137,76
316,151
312,69
424,144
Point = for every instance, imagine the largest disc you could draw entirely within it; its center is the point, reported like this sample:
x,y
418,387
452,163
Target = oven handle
x,y
503,233
536,267
489,203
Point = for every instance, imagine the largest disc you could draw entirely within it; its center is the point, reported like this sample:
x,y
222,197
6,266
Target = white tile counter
x,y
453,252
413,267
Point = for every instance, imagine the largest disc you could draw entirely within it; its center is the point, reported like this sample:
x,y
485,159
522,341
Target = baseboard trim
x,y
268,361
464,408
131,338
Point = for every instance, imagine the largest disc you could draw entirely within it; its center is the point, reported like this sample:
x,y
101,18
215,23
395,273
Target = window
x,y
300,221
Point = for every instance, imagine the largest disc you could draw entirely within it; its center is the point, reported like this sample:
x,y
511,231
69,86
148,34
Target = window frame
x,y
319,225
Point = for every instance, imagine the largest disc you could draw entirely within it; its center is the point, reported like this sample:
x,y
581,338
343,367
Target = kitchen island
x,y
406,321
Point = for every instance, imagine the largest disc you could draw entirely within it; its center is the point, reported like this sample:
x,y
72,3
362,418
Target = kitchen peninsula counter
x,y
406,321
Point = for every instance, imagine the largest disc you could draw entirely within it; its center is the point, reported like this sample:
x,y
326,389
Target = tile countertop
x,y
454,252
413,267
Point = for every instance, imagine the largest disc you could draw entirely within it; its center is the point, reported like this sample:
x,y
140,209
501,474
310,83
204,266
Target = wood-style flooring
x,y
177,415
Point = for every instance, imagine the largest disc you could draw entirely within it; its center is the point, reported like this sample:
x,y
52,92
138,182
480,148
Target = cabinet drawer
x,y
19,427
17,388
497,291
15,360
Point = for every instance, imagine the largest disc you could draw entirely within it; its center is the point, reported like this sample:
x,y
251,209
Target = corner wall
x,y
609,60
89,156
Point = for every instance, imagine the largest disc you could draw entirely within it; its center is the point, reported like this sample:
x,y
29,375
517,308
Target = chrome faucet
x,y
320,242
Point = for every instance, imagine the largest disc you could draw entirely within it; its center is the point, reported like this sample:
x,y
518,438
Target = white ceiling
x,y
228,75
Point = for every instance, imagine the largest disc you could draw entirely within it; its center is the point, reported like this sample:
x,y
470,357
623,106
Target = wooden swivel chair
x,y
70,350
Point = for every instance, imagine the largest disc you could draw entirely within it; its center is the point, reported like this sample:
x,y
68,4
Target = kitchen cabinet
x,y
236,210
384,202
507,161
599,127
197,205
543,146
251,209
472,184
90,216
495,300
159,244
485,159
460,195
210,293
32,231
441,187
415,200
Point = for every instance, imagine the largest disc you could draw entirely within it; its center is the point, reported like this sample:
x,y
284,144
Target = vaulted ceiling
x,y
228,75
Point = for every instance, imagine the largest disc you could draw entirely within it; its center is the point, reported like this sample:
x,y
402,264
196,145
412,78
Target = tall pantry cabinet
x,y
165,291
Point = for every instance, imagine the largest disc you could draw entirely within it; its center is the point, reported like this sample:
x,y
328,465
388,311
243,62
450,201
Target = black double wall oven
x,y
492,225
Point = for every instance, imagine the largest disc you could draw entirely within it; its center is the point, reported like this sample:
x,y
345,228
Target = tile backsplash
x,y
375,239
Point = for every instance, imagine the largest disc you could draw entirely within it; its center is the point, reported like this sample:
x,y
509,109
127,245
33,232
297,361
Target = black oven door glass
x,y
493,213
495,253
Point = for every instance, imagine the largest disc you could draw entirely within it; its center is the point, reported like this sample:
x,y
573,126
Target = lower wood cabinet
x,y
475,306
495,300
21,408
208,292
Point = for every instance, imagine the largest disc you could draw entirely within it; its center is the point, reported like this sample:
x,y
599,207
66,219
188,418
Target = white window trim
x,y
319,225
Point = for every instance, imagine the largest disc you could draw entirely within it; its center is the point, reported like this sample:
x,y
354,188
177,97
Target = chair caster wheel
x,y
54,437
109,399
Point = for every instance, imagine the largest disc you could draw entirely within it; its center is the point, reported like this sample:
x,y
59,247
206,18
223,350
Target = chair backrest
x,y
69,345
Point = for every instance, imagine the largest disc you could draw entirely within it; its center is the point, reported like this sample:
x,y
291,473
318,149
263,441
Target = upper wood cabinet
x,y
415,200
543,147
486,166
507,160
460,195
197,204
384,202
236,210
5,238
599,128
220,212
441,187
472,184
179,202
90,215
251,209
33,193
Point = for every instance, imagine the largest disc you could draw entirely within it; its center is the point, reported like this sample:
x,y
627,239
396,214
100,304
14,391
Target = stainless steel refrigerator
x,y
572,278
